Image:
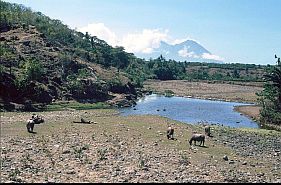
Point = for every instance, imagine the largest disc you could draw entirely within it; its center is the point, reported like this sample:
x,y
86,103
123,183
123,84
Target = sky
x,y
237,31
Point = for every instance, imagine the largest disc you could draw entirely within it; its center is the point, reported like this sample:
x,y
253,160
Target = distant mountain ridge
x,y
189,51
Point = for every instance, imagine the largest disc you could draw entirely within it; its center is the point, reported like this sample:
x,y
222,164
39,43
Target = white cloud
x,y
101,31
184,53
141,42
212,57
145,41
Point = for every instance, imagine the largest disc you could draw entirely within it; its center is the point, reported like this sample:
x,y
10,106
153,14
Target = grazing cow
x,y
84,121
207,130
32,121
170,132
197,137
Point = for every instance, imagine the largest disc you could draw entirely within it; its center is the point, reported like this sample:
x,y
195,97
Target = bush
x,y
32,70
169,93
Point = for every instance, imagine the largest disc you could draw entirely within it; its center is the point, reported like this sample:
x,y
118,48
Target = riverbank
x,y
240,92
252,111
243,92
132,149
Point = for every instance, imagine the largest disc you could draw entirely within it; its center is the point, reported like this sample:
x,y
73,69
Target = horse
x,y
32,121
197,137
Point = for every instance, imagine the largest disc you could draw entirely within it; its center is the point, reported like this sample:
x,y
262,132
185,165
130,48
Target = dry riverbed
x,y
132,149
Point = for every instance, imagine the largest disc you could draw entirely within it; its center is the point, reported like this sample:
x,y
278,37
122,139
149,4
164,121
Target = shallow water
x,y
190,110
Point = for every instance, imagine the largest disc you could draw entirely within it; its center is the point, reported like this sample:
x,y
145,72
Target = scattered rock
x,y
225,158
70,172
66,152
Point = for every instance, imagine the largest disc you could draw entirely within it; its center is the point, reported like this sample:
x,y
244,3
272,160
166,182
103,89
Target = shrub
x,y
32,70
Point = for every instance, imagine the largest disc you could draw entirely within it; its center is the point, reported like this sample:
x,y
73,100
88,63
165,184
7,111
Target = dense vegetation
x,y
270,97
42,60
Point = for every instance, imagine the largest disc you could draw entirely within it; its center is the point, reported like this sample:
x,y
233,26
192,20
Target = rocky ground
x,y
132,149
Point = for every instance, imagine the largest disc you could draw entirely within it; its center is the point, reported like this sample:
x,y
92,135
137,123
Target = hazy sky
x,y
242,31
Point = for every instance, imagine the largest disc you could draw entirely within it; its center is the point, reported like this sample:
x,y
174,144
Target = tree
x,y
236,74
270,97
87,36
92,42
274,80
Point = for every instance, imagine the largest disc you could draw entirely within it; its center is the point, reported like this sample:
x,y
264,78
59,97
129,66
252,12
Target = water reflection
x,y
191,110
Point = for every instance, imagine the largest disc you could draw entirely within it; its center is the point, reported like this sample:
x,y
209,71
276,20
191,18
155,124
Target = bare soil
x,y
132,149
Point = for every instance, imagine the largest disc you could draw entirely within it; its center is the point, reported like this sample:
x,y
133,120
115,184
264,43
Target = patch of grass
x,y
58,106
78,152
260,131
184,160
169,93
102,154
141,163
93,137
14,174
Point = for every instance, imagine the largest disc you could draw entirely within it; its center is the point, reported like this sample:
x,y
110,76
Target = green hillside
x,y
43,60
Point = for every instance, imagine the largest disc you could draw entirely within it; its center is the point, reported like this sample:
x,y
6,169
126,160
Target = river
x,y
190,110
